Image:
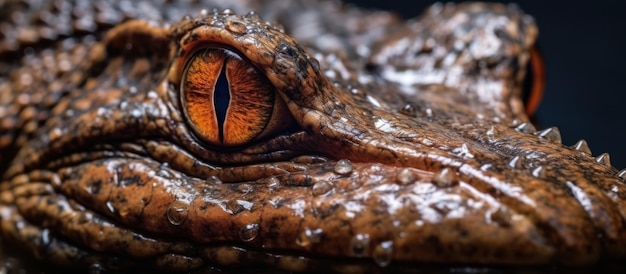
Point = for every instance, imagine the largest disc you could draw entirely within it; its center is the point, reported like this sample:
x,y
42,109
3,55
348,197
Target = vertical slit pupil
x,y
221,100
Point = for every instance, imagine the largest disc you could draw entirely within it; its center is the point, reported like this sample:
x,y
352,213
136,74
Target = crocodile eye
x,y
228,101
534,82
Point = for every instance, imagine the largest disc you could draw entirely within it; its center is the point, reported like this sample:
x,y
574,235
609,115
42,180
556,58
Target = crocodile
x,y
296,136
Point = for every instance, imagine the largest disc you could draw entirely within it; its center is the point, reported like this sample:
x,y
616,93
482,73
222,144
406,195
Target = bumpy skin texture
x,y
412,146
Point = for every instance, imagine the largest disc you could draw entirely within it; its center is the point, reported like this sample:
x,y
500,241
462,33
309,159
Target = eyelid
x,y
188,50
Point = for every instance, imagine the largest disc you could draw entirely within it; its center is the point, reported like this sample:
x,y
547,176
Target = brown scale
x,y
407,145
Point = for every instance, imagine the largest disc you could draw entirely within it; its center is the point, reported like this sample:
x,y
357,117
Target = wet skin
x,y
401,143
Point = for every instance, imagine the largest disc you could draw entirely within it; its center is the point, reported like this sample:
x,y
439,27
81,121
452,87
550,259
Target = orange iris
x,y
228,101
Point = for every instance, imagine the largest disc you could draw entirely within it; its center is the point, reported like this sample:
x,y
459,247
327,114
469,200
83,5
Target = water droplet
x,y
491,134
551,134
359,244
235,206
204,12
55,134
357,91
408,110
604,159
249,232
383,253
315,64
286,51
343,167
69,113
245,188
272,182
322,187
228,12
582,146
525,128
252,15
444,178
206,190
405,176
164,173
217,22
615,189
96,268
429,112
486,167
177,213
213,180
309,236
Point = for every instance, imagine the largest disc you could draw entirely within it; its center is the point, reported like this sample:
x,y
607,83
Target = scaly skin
x,y
412,146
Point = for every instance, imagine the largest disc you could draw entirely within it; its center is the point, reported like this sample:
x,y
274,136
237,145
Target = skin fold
x,y
400,144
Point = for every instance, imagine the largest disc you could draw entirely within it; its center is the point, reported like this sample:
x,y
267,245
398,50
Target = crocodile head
x,y
224,140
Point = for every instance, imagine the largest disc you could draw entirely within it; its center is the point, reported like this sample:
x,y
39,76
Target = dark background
x,y
584,47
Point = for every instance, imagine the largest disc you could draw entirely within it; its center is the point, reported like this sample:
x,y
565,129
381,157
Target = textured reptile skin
x,y
411,145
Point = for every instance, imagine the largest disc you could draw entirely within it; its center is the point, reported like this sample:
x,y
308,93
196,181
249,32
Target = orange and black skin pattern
x,y
306,136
